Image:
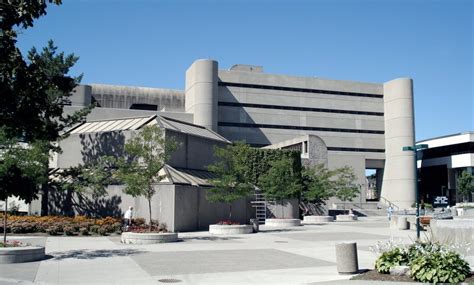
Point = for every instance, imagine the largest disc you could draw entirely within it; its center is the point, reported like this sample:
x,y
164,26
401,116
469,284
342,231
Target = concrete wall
x,y
251,115
399,174
287,209
193,152
194,212
84,148
99,113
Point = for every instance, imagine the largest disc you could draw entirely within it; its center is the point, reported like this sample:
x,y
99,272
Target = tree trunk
x,y
230,212
282,211
5,222
149,211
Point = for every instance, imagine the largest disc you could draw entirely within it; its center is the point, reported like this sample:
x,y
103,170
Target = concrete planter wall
x,y
317,219
282,223
21,254
230,229
346,218
148,238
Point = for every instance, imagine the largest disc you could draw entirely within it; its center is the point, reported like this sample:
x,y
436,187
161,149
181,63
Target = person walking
x,y
128,216
389,212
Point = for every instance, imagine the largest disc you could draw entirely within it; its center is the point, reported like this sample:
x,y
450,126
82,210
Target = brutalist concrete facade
x,y
363,125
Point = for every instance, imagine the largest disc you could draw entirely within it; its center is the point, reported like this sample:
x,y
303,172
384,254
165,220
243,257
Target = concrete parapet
x,y
317,219
346,218
148,238
282,223
21,254
230,229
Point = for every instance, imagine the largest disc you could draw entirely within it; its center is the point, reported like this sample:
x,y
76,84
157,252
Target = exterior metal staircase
x,y
260,205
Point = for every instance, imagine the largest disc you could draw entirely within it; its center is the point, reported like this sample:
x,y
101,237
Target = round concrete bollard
x,y
346,258
255,225
402,223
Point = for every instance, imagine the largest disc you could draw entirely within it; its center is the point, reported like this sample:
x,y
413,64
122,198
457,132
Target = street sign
x,y
440,201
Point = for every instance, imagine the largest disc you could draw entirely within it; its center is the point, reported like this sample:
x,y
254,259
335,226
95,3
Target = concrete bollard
x,y
402,223
346,258
255,225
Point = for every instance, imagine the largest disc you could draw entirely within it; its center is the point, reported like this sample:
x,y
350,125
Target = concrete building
x,y
363,125
441,164
334,122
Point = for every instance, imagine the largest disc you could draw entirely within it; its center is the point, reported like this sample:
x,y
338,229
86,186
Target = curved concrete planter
x,y
346,218
282,223
21,254
308,220
148,238
230,229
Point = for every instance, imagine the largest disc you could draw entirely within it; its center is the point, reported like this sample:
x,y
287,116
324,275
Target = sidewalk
x,y
300,255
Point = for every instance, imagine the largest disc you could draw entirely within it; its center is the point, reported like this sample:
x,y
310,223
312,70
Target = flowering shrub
x,y
228,222
13,243
428,261
55,225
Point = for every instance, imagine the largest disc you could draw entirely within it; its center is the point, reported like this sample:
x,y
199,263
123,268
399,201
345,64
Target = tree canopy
x,y
147,153
465,184
230,183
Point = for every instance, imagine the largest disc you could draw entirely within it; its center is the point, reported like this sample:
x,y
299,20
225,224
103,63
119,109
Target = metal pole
x,y
417,197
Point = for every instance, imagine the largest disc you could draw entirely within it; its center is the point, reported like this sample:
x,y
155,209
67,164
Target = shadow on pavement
x,y
91,254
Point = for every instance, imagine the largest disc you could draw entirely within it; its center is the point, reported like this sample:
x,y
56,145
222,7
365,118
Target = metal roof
x,y
111,125
138,122
187,176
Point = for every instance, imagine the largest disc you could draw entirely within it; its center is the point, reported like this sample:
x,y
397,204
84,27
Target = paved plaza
x,y
299,255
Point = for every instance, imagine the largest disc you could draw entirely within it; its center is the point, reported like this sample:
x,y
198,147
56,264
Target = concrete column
x,y
399,174
201,92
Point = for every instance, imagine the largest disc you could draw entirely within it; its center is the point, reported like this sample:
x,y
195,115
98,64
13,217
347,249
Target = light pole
x,y
416,148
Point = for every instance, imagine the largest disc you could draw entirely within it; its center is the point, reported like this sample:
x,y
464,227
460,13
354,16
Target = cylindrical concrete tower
x,y
81,96
399,174
201,93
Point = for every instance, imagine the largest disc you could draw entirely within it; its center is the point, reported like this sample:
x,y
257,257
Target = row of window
x,y
293,108
305,128
348,149
447,150
295,89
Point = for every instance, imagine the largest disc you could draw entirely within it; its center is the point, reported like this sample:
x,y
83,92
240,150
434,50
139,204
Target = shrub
x,y
102,230
439,266
54,230
83,231
391,258
138,221
68,230
94,229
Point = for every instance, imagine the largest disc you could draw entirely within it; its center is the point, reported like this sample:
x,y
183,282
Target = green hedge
x,y
258,161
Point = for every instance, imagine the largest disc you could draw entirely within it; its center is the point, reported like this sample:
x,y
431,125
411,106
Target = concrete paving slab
x,y
192,262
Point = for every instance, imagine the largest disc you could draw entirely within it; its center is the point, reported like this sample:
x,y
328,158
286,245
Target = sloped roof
x,y
136,123
186,176
182,176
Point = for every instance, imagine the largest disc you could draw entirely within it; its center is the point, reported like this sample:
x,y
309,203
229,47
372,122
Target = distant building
x,y
441,164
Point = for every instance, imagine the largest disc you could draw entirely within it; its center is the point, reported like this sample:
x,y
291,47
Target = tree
x,y
33,92
318,186
345,186
147,153
465,183
229,183
22,168
281,181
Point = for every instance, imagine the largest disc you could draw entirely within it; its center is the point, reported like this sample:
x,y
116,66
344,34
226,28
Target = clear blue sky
x,y
151,43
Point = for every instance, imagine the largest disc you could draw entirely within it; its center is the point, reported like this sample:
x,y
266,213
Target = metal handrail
x,y
386,201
